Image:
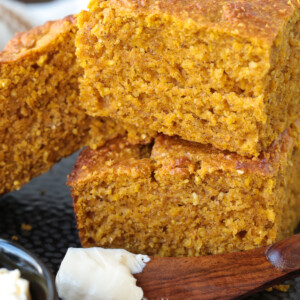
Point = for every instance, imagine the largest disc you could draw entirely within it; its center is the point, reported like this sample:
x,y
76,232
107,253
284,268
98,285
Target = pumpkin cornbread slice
x,y
183,198
223,72
40,117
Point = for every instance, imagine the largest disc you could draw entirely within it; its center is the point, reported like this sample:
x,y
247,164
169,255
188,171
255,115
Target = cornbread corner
x,y
41,120
219,72
180,198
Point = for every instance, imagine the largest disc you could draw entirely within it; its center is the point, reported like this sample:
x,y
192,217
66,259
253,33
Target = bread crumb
x,y
26,227
280,287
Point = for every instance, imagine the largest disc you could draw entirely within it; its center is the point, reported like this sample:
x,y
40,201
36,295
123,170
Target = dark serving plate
x,y
46,205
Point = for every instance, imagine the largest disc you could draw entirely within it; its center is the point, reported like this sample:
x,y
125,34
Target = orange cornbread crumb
x,y
179,198
216,72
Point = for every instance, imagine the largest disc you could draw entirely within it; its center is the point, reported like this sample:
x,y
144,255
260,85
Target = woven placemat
x,y
40,217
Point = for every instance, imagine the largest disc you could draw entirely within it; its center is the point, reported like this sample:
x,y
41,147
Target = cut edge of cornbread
x,y
211,72
41,118
178,198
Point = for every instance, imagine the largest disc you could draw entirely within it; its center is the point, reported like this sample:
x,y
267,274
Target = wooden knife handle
x,y
285,255
227,276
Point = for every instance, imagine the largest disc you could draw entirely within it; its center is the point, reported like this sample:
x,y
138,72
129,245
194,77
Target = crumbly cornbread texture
x,y
40,117
224,72
179,198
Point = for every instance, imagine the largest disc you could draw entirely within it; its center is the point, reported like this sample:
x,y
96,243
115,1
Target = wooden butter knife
x,y
226,276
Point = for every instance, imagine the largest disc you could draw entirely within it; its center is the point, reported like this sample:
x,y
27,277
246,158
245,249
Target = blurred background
x,y
20,15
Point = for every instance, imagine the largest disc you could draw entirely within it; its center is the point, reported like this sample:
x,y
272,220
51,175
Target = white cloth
x,y
15,16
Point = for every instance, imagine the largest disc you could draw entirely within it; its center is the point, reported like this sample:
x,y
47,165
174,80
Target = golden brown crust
x,y
25,44
174,155
117,153
255,19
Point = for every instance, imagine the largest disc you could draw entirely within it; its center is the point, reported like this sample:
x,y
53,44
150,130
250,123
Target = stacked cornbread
x,y
191,110
200,78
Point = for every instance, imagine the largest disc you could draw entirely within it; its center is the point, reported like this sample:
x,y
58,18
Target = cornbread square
x,y
223,72
180,198
40,117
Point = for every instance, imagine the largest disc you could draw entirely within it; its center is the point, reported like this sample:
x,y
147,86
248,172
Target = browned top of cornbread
x,y
174,155
254,19
116,154
25,44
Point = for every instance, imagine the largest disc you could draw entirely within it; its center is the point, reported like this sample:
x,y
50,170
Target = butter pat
x,y
100,274
12,286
